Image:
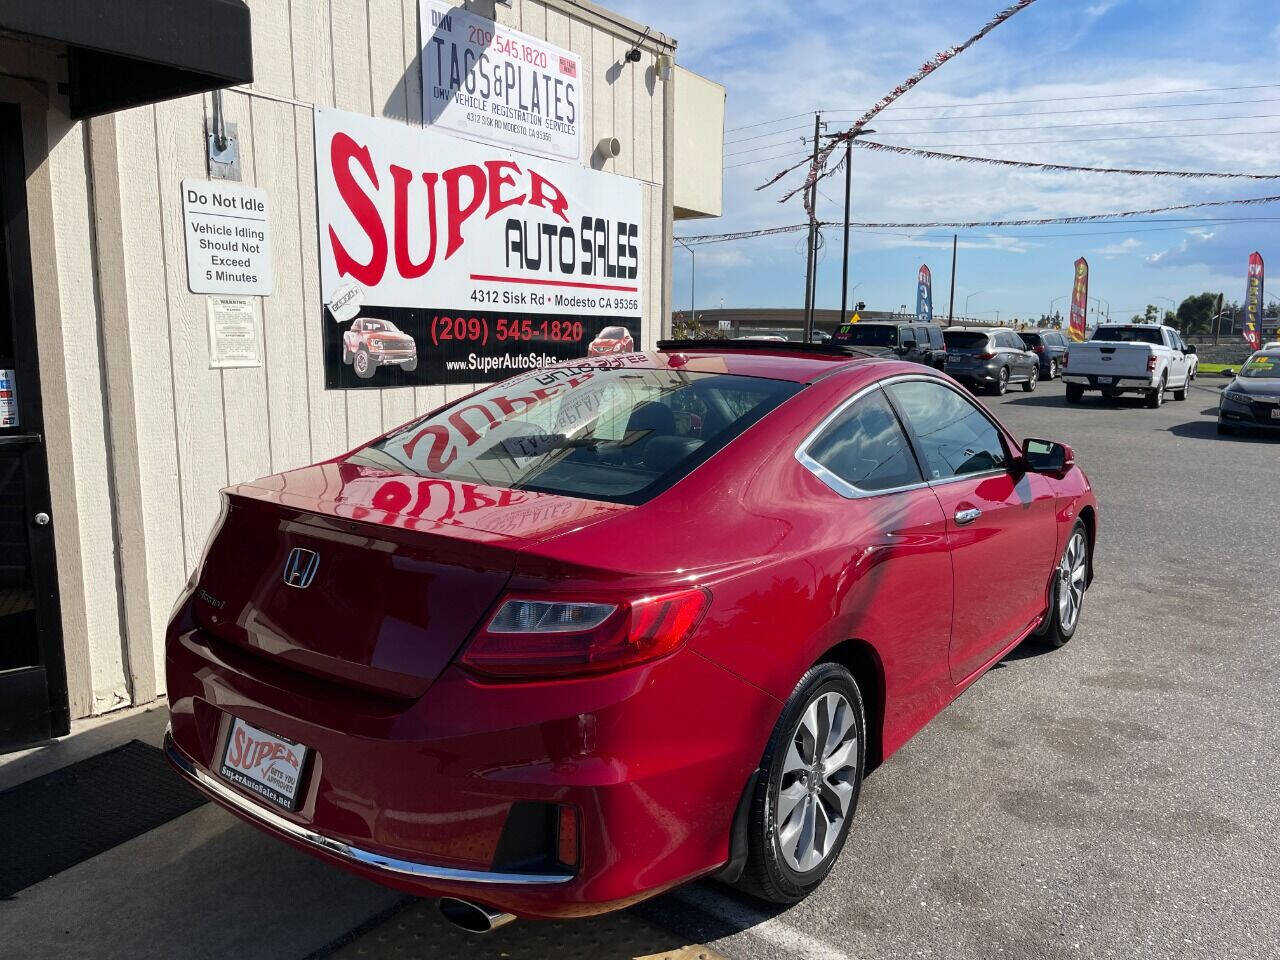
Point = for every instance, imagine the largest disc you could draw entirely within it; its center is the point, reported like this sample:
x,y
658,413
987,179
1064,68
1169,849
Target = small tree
x,y
1195,313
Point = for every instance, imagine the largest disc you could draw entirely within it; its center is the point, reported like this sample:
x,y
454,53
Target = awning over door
x,y
126,54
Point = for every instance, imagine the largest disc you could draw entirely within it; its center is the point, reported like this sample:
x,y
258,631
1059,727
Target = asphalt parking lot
x,y
1115,798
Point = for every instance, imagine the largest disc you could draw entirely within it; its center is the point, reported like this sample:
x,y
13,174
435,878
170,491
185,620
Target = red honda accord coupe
x,y
606,627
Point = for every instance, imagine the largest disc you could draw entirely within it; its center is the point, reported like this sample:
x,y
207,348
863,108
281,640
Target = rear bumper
x,y
973,374
425,795
1118,384
258,813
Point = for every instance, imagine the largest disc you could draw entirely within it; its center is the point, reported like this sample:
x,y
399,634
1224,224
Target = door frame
x,y
33,700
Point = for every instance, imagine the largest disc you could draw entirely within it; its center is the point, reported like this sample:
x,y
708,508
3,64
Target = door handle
x,y
967,516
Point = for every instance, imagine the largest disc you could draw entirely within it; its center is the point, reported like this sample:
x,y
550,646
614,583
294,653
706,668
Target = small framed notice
x,y
233,332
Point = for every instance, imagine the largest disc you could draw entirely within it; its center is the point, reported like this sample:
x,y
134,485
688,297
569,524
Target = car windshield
x,y
1262,366
964,340
612,333
373,326
600,431
1129,335
865,335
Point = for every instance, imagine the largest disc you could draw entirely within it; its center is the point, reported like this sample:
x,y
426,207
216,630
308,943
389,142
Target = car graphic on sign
x,y
611,340
372,343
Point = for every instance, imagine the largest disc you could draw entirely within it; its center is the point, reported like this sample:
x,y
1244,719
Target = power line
x,y
1070,126
1060,141
1004,103
1052,126
779,156
1060,167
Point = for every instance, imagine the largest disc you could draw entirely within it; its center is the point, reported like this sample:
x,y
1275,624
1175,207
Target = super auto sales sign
x,y
448,261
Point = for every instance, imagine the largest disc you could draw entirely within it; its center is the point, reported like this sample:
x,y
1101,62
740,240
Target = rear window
x,y
1129,335
597,431
864,335
964,340
1032,339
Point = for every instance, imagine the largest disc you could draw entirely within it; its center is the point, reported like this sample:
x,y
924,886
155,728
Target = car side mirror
x,y
1048,457
1229,372
1191,348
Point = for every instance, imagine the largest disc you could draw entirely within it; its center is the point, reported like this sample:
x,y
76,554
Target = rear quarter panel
x,y
794,569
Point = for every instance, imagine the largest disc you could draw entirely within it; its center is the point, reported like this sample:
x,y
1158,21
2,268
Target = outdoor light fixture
x,y
633,55
663,66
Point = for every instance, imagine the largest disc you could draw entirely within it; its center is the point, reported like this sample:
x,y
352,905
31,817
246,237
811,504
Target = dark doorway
x,y
33,683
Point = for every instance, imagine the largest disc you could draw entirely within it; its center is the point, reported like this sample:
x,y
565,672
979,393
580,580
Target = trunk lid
x,y
368,577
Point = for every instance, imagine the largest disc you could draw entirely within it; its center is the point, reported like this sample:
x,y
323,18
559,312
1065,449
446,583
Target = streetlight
x,y
693,276
970,297
1054,301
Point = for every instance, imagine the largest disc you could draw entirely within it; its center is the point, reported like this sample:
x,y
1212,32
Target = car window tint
x,y
604,431
955,437
866,447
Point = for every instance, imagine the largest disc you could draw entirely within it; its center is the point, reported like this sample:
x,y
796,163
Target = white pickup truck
x,y
1130,358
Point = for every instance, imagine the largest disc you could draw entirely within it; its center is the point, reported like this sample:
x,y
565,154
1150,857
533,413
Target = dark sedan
x,y
1252,400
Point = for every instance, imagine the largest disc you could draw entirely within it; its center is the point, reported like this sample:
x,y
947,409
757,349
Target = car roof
x,y
960,329
794,365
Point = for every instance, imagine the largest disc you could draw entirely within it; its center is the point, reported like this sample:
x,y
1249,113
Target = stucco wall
x,y
142,432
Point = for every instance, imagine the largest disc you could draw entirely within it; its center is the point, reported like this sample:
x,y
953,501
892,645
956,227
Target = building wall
x,y
142,433
699,145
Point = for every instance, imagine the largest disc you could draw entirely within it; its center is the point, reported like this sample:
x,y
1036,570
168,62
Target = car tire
x,y
410,365
773,869
1156,397
1070,583
1032,379
363,364
1075,393
1001,386
1181,393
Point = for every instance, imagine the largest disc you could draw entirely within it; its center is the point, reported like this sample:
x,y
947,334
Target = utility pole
x,y
693,278
951,306
811,267
848,190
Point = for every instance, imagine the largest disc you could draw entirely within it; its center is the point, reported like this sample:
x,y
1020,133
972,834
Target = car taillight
x,y
1066,355
1039,348
1151,363
986,356
530,639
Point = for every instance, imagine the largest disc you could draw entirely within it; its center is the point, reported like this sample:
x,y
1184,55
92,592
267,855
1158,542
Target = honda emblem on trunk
x,y
300,568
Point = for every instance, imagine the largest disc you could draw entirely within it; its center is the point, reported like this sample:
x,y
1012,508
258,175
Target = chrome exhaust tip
x,y
472,917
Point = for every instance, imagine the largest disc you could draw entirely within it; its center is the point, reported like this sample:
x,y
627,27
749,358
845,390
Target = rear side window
x,y
955,437
866,447
598,431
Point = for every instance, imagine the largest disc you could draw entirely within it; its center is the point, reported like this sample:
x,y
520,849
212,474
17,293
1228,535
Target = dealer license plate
x,y
1106,379
263,763
1275,414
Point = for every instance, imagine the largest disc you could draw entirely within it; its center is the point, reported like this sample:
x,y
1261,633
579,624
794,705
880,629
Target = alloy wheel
x,y
817,783
1071,572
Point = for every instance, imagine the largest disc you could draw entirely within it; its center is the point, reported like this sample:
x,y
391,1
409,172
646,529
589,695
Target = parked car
x,y
1050,347
1271,345
907,339
371,343
611,340
990,357
488,657
1252,400
1130,358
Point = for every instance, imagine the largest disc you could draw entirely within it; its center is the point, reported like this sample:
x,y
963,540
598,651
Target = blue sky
x,y
784,57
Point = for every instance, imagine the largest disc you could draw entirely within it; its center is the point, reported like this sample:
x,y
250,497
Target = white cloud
x,y
1127,245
